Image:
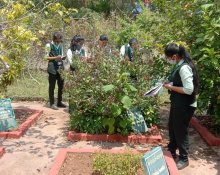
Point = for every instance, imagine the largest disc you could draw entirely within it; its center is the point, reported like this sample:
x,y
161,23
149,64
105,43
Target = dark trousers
x,y
178,130
52,82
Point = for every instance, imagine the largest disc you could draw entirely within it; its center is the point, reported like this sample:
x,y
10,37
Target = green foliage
x,y
101,6
112,164
147,28
206,49
104,89
197,22
25,28
16,40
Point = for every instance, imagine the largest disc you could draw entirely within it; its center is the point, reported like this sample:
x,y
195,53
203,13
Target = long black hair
x,y
75,42
175,49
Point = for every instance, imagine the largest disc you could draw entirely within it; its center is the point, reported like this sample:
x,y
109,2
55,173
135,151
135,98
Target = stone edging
x,y
60,158
2,151
24,126
203,131
138,139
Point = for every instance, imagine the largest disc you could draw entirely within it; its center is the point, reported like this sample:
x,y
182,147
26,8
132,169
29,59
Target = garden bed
x,y
78,161
206,128
25,117
153,136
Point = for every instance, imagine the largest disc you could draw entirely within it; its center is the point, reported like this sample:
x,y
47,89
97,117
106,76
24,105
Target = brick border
x,y
24,126
205,134
2,151
138,139
61,156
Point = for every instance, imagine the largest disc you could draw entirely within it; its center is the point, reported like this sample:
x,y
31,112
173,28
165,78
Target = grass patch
x,y
29,85
112,164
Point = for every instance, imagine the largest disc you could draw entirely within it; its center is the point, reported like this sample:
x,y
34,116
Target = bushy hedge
x,y
103,89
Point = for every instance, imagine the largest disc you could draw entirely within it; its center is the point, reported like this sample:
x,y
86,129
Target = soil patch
x,y
209,123
74,161
83,160
22,115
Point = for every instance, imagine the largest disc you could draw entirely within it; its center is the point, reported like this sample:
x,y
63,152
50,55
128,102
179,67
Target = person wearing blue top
x,y
55,58
136,8
183,88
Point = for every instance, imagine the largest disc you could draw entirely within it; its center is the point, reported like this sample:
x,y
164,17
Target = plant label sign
x,y
7,116
154,162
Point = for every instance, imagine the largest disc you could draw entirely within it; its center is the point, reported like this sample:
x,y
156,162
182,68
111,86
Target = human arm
x,y
174,88
187,81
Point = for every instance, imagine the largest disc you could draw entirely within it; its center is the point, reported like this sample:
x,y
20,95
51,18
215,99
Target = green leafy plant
x,y
16,40
102,90
197,23
26,27
207,53
112,164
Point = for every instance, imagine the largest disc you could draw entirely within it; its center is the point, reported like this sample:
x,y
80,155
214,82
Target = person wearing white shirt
x,y
183,88
75,50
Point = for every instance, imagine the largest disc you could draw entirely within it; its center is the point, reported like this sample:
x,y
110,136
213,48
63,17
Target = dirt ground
x,y
34,153
84,160
76,160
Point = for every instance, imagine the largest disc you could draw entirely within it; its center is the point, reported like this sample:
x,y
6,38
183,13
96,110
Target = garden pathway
x,y
34,153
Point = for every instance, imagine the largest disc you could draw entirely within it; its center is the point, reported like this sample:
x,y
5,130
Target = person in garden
x,y
103,44
127,51
75,50
101,48
136,8
55,65
183,87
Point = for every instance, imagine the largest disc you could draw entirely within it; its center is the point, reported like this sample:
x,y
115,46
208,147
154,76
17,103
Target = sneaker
x,y
173,153
54,107
175,157
182,164
61,105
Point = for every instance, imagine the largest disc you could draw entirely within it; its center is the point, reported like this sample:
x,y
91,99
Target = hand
x,y
63,57
58,58
166,82
167,86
